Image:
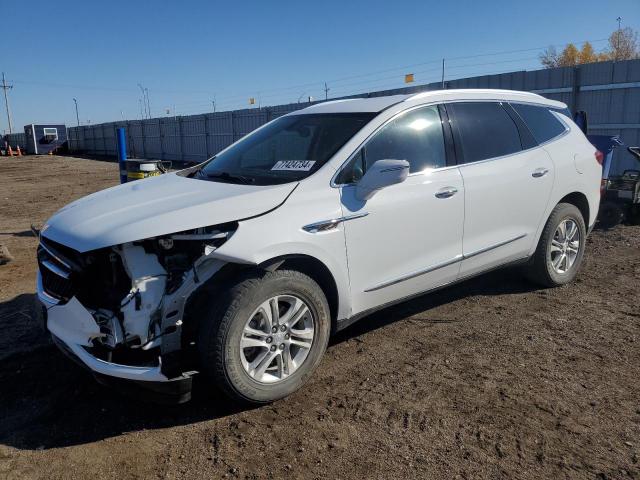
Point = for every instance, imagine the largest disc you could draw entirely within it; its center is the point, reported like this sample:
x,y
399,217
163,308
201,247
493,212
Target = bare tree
x,y
623,45
549,58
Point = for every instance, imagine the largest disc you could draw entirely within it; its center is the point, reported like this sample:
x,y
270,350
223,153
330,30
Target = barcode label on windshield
x,y
295,165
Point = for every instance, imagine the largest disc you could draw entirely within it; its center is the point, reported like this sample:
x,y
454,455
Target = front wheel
x,y
266,336
560,250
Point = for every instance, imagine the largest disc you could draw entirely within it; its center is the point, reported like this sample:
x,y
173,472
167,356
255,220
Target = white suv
x,y
241,268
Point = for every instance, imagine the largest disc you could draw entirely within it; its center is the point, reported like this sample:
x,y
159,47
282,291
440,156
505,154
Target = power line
x,y
338,85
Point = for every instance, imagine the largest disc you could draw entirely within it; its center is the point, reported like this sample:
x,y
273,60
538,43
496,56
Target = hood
x,y
157,206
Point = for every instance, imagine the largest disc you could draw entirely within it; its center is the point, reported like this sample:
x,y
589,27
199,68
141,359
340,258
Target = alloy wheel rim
x,y
565,246
277,338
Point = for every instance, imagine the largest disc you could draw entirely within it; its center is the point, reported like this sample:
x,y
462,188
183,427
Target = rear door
x,y
507,180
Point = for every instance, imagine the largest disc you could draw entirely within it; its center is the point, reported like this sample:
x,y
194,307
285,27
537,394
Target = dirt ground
x,y
493,378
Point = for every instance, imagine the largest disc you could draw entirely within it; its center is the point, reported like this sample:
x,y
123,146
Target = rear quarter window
x,y
484,130
543,124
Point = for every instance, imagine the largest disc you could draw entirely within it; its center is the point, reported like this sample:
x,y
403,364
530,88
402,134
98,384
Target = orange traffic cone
x,y
19,152
10,151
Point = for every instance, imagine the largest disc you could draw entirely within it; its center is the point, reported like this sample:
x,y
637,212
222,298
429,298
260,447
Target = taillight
x,y
599,157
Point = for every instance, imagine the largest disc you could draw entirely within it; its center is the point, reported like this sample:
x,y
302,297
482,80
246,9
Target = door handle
x,y
539,172
446,192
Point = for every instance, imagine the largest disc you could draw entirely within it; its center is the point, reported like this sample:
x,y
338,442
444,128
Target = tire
x,y
541,268
610,214
228,365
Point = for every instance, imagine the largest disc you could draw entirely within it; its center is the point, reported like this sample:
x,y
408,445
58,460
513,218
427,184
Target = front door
x,y
407,238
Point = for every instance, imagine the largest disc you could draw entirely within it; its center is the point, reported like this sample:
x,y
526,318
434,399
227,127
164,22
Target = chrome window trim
x,y
456,259
557,115
445,102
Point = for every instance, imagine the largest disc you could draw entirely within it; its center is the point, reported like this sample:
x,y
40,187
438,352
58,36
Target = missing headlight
x,y
179,251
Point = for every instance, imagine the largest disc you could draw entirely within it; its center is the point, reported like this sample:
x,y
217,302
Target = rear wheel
x,y
560,250
266,336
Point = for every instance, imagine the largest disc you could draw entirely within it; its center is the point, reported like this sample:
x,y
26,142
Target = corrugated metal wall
x,y
608,91
15,140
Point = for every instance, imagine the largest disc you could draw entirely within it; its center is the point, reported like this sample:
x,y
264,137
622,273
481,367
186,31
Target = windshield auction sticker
x,y
295,165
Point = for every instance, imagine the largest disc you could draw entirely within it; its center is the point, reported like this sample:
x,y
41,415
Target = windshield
x,y
288,149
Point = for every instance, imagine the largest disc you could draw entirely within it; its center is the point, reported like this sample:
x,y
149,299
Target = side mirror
x,y
382,173
580,118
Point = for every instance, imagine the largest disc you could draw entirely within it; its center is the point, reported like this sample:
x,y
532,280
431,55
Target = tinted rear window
x,y
543,124
485,130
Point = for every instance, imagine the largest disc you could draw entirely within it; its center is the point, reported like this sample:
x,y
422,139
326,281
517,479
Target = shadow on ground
x,y
46,401
23,233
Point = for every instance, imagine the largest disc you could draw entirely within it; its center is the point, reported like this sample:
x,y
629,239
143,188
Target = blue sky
x,y
189,52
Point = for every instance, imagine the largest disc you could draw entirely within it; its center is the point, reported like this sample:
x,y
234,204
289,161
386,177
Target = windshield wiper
x,y
229,177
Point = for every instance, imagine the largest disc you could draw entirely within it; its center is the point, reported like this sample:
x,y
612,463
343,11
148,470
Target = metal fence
x,y
608,91
15,140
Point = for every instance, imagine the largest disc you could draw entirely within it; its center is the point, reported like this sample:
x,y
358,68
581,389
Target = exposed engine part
x,y
156,277
148,282
110,327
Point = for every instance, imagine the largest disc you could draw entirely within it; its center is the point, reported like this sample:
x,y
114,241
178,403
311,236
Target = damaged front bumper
x,y
137,346
71,325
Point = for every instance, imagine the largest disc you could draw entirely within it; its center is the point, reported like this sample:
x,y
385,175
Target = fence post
x,y
160,138
233,128
122,154
575,89
206,135
180,150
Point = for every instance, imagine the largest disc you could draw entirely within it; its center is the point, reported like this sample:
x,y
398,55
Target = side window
x,y
353,171
543,124
415,136
485,130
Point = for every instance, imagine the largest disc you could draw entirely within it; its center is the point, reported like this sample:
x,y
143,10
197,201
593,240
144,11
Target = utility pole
x,y
146,92
213,104
142,115
326,91
77,117
145,101
6,87
619,19
443,73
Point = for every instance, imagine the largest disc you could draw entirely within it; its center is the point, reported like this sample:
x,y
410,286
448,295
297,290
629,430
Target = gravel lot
x,y
493,378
